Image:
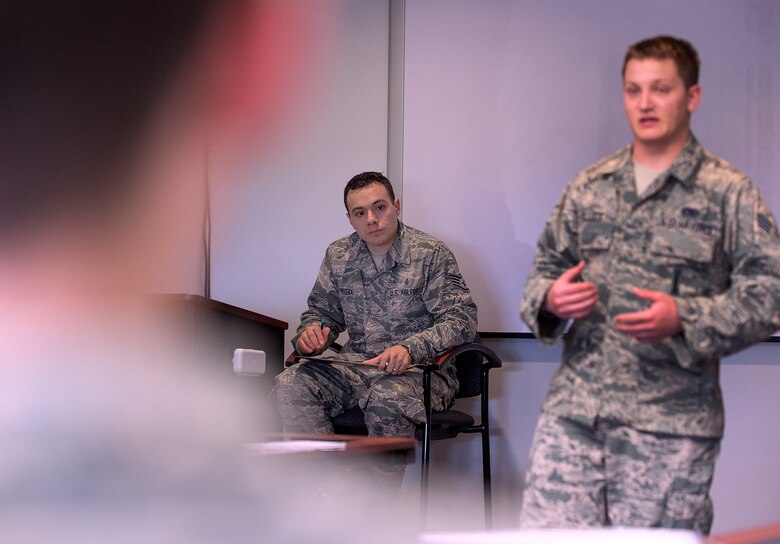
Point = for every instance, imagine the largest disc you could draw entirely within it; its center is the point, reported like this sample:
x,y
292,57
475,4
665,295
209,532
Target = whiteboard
x,y
506,101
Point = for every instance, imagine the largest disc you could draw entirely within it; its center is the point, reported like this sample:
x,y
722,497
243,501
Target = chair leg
x,y
426,448
424,482
485,431
486,480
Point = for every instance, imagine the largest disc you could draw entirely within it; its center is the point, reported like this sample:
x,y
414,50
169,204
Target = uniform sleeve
x,y
448,299
324,304
749,310
556,252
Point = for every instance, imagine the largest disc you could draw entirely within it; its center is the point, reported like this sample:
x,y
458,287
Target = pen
x,y
322,324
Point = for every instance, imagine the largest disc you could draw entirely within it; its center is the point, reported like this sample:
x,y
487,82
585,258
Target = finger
x,y
576,311
574,296
644,316
562,301
394,362
646,294
304,345
571,274
636,328
316,335
373,360
579,288
580,300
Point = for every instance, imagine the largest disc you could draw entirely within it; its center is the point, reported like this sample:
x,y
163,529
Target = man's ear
x,y
397,206
349,218
694,97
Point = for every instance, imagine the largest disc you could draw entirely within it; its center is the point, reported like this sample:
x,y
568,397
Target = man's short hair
x,y
680,51
364,180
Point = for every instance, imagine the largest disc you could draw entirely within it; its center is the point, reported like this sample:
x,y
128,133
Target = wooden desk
x,y
324,480
355,445
767,534
208,331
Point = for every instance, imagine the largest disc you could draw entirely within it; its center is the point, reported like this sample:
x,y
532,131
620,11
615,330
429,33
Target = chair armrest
x,y
491,359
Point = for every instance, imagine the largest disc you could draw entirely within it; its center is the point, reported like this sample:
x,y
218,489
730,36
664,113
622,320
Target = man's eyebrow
x,y
656,80
380,201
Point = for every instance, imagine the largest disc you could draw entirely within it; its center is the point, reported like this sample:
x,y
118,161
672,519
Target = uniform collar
x,y
397,253
683,169
686,164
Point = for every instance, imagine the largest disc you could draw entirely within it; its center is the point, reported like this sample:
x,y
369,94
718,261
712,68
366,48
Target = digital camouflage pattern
x,y
701,233
417,299
617,475
311,393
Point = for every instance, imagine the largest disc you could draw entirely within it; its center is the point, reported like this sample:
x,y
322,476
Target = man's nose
x,y
645,102
371,217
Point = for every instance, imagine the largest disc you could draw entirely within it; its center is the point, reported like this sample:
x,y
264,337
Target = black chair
x,y
473,362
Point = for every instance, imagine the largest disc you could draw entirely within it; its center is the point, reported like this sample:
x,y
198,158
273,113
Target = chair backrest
x,y
469,370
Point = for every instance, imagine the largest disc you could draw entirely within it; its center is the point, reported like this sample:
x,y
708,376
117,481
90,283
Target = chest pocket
x,y
595,236
687,234
686,240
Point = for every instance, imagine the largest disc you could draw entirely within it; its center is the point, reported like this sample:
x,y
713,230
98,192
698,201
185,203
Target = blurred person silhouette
x,y
105,111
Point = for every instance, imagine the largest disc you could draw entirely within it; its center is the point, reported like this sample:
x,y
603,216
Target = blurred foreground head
x,y
80,84
106,111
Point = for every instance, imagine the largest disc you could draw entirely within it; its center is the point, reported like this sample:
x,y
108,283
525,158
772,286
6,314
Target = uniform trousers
x,y
310,394
610,474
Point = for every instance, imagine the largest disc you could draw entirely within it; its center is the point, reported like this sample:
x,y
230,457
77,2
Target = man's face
x,y
374,216
657,104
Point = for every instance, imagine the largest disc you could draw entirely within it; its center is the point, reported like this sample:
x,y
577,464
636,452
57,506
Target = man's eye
x,y
632,90
662,90
380,207
357,214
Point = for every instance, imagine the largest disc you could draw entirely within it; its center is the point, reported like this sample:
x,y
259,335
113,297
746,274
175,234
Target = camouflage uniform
x,y
417,299
701,233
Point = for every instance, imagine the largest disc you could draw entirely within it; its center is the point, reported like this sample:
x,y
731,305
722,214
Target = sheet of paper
x,y
347,358
292,446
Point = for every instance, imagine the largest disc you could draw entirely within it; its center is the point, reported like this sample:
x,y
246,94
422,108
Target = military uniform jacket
x,y
701,233
417,298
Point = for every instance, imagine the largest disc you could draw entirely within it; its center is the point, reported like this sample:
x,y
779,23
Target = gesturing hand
x,y
394,360
571,299
660,320
313,338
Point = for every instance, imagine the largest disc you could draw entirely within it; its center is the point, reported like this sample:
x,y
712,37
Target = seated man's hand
x,y
394,360
660,320
568,298
313,338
